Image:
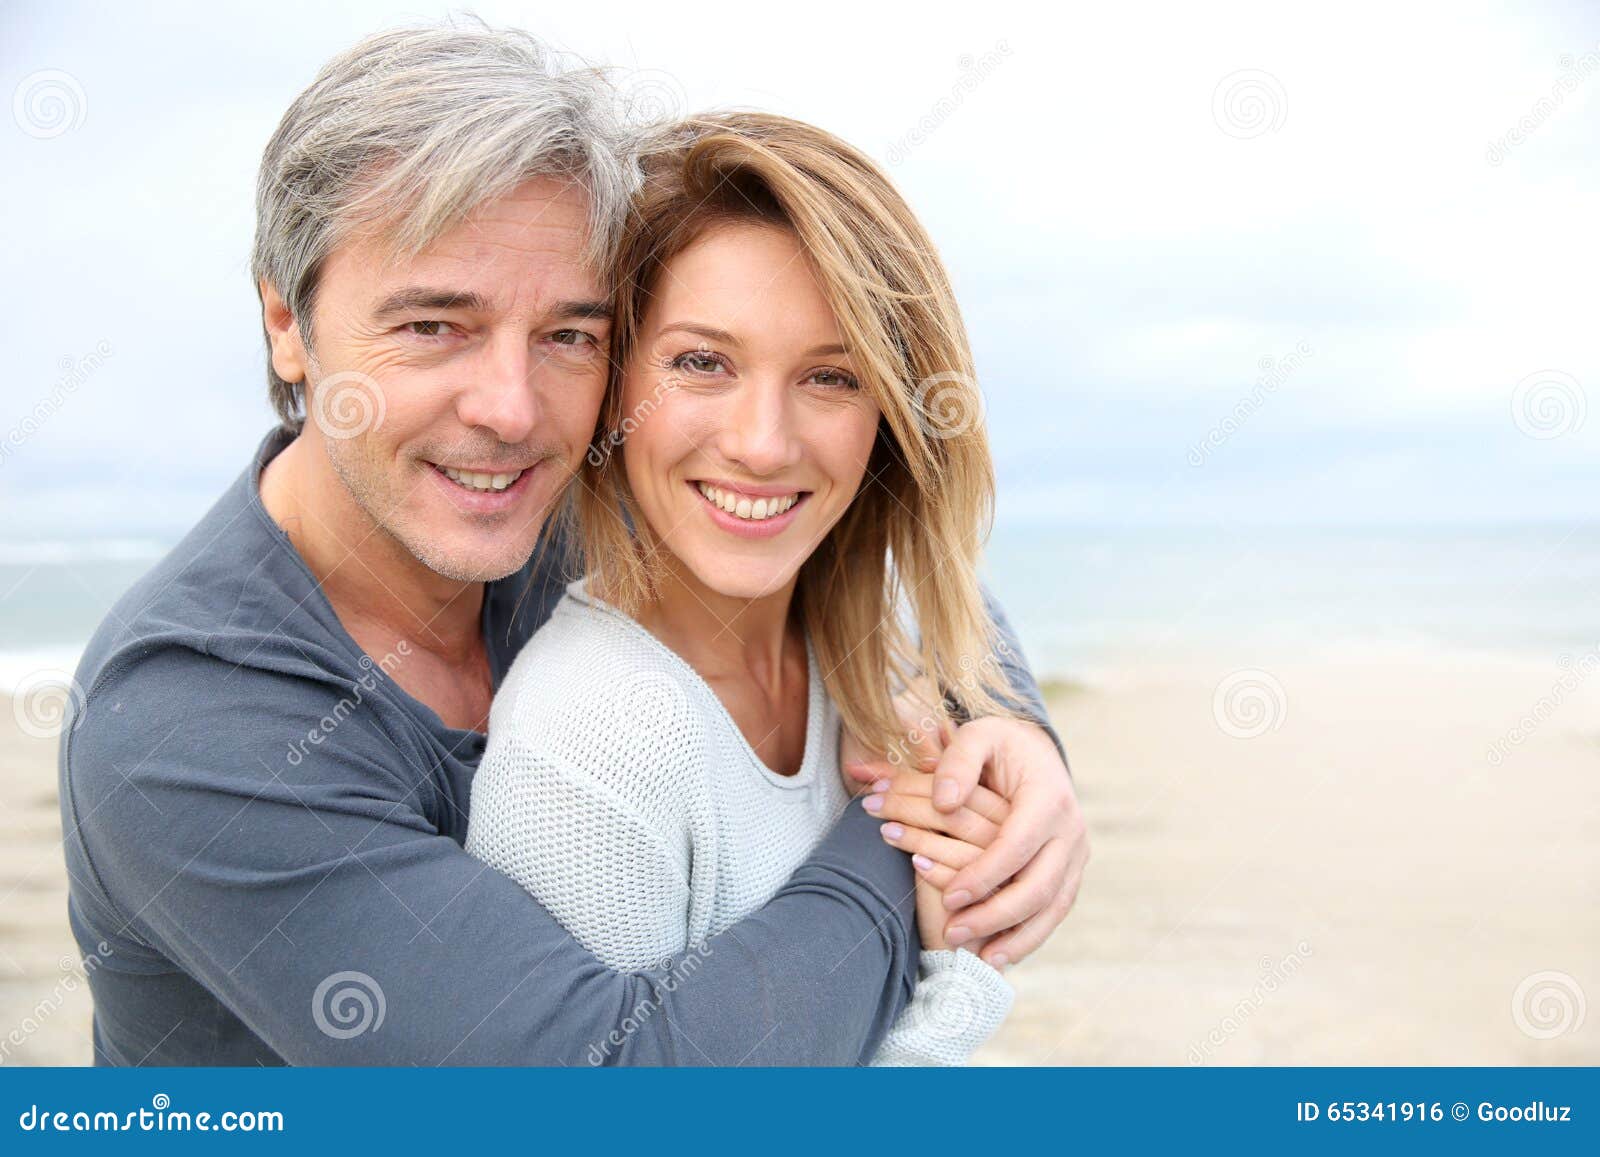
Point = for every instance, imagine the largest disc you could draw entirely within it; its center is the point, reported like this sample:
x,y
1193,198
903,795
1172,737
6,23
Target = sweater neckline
x,y
816,693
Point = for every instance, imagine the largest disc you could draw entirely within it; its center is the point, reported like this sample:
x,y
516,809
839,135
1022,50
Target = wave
x,y
54,663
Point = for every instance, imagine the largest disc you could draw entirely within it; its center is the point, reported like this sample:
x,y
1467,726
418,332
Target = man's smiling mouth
x,y
478,481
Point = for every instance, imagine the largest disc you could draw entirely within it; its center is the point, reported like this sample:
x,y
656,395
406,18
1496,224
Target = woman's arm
x,y
960,1001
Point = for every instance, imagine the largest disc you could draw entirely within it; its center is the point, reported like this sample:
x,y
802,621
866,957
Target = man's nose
x,y
501,397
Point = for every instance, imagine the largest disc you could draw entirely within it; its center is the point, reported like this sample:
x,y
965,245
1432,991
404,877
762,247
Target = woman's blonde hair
x,y
911,538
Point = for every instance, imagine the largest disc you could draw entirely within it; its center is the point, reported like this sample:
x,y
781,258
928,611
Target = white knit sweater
x,y
617,789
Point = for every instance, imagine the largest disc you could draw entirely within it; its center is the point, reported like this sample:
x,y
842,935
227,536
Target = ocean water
x,y
1083,600
53,593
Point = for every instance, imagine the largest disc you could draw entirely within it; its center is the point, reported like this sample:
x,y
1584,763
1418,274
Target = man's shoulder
x,y
224,644
232,590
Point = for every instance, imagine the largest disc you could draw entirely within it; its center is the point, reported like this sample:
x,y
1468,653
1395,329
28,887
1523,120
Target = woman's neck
x,y
724,637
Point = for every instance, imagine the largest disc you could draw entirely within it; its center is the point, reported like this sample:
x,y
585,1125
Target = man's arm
x,y
263,877
1028,701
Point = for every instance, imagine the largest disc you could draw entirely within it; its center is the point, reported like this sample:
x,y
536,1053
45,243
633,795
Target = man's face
x,y
455,392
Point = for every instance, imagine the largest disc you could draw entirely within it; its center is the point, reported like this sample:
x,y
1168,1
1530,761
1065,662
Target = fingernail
x,y
873,803
880,785
946,792
892,832
957,936
954,900
922,863
1001,961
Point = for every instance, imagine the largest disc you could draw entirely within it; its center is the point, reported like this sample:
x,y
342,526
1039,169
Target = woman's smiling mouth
x,y
751,512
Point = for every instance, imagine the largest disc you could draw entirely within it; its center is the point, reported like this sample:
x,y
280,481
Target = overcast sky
x,y
1390,210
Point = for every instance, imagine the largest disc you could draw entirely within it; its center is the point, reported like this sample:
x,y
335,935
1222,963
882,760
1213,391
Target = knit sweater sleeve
x,y
612,874
959,1003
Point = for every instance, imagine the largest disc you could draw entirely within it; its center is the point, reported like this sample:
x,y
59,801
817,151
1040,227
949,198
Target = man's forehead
x,y
476,276
539,225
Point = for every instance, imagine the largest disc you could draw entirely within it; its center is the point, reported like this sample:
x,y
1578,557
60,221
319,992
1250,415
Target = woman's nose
x,y
757,429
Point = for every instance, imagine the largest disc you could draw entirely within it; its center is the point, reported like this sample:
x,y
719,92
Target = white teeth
x,y
745,508
474,481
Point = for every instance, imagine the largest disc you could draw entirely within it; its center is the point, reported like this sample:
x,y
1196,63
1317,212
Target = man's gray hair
x,y
413,129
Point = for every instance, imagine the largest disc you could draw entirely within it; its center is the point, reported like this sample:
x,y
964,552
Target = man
x,y
266,791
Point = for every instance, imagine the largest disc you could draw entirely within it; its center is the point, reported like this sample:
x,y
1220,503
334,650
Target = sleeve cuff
x,y
959,1004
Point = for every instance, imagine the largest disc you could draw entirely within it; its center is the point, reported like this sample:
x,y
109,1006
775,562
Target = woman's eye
x,y
698,362
834,380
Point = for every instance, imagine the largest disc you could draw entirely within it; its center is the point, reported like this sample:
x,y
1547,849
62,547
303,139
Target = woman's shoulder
x,y
593,690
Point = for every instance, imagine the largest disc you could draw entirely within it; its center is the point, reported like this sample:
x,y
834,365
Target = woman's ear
x,y
289,357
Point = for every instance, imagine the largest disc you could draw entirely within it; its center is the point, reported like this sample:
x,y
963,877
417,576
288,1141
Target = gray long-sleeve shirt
x,y
264,838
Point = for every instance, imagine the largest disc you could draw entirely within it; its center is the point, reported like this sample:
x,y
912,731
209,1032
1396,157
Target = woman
x,y
778,483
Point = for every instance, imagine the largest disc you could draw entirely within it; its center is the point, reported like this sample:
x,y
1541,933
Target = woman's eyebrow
x,y
710,333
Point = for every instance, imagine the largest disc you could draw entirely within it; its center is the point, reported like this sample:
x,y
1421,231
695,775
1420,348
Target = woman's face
x,y
745,432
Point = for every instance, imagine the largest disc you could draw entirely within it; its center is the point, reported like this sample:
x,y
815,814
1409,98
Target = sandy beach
x,y
1314,861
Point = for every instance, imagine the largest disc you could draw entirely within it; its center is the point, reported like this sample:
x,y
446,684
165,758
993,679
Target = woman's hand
x,y
940,845
948,844
1012,893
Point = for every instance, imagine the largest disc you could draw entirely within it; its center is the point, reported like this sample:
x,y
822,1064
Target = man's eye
x,y
572,337
426,328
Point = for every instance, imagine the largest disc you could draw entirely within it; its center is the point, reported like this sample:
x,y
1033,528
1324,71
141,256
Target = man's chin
x,y
465,565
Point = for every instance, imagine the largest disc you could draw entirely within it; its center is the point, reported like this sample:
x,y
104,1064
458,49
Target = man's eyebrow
x,y
417,298
599,310
414,298
710,333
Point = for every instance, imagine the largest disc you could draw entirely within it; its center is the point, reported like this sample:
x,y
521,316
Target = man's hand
x,y
940,844
1027,878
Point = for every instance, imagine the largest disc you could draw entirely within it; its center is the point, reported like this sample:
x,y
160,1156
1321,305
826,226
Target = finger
x,y
938,848
991,805
960,765
1022,941
1019,841
934,873
918,811
1026,896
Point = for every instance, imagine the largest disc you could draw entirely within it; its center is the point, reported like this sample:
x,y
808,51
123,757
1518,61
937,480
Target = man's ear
x,y
289,358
